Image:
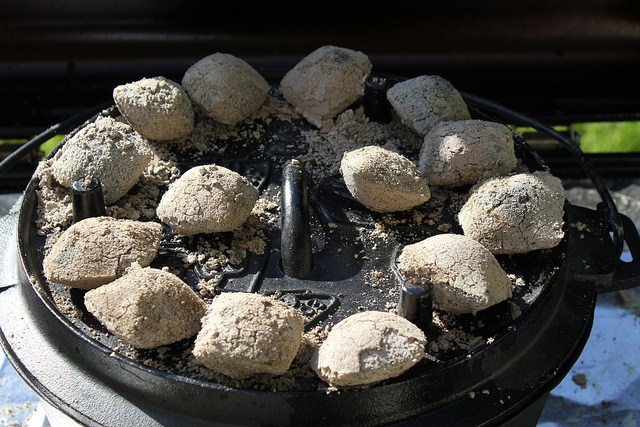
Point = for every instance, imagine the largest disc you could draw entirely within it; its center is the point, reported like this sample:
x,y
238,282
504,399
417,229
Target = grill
x,y
73,58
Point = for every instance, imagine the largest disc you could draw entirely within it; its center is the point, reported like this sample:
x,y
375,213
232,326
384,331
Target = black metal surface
x,y
87,200
376,105
416,302
626,273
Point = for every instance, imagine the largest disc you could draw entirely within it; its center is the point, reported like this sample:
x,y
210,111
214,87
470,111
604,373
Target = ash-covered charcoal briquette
x,y
463,152
107,149
515,214
424,101
225,87
382,180
466,277
96,251
157,108
368,347
207,199
147,308
325,82
245,334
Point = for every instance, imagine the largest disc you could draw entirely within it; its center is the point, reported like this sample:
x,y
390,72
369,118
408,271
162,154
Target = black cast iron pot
x,y
534,338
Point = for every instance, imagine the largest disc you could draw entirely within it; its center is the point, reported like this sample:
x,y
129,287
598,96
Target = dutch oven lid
x,y
326,258
336,269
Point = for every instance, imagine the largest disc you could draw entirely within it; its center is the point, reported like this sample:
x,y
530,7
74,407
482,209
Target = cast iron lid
x,y
328,276
322,259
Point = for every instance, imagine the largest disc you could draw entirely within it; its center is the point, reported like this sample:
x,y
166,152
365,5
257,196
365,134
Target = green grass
x,y
602,137
50,144
609,137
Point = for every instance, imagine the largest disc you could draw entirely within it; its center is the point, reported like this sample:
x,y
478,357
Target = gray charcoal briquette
x,y
207,199
225,87
245,334
157,108
106,149
147,308
464,152
515,214
424,101
368,347
325,82
96,251
466,277
382,180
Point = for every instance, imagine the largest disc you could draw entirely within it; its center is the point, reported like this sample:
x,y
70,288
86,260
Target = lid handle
x,y
295,249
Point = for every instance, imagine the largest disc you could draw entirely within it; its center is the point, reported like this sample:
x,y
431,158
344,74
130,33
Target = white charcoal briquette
x,y
368,347
464,152
147,308
207,199
382,180
466,277
108,150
